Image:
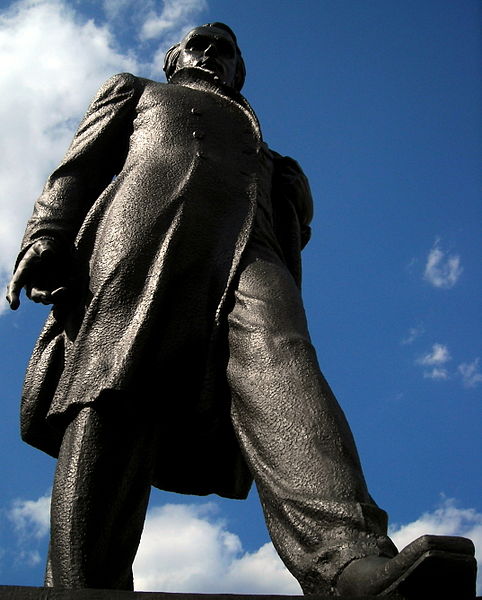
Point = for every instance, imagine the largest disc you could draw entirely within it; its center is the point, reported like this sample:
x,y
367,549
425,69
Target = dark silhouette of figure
x,y
177,352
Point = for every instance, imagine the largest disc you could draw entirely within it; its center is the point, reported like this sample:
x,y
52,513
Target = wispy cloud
x,y
31,518
436,373
115,9
437,356
470,373
31,522
435,364
175,19
447,519
441,270
413,334
162,23
436,359
173,13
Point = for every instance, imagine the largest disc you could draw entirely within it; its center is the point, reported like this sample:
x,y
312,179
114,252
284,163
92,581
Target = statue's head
x,y
212,48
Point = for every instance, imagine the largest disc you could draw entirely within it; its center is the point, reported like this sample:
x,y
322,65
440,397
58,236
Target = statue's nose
x,y
211,50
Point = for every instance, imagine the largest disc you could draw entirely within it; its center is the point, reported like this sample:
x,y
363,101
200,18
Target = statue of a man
x,y
177,352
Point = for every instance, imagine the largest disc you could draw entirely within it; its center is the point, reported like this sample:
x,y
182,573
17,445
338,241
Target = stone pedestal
x,y
9,592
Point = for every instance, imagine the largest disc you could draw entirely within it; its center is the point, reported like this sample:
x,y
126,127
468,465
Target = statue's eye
x,y
196,44
225,48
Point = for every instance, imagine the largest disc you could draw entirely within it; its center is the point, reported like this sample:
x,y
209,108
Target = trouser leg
x,y
294,434
99,499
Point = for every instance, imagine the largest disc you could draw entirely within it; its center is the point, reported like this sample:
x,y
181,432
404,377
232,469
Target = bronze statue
x,y
177,352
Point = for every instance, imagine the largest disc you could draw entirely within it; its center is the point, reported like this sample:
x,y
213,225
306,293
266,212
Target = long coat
x,y
154,204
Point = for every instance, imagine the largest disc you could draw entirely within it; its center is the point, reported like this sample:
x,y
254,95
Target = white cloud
x,y
173,14
188,548
172,23
445,520
261,572
413,334
52,63
436,373
117,8
30,558
53,60
31,522
31,518
184,548
147,21
436,358
470,373
441,271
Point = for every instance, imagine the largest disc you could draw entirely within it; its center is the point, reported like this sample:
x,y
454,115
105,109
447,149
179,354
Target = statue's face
x,y
210,49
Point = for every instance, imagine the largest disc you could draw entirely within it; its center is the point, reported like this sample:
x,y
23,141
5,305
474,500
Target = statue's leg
x,y
100,496
294,435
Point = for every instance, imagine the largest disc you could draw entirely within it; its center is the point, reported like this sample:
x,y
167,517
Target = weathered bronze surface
x,y
177,352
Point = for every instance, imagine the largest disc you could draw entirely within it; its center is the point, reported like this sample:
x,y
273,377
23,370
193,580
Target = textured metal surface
x,y
162,242
177,353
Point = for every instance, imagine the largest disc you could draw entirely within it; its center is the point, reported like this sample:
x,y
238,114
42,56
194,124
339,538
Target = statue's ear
x,y
240,75
170,60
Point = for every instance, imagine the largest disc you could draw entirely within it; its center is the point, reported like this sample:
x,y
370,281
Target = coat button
x,y
196,111
198,135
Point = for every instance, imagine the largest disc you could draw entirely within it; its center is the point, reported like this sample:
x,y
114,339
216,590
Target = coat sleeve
x,y
290,185
95,156
292,210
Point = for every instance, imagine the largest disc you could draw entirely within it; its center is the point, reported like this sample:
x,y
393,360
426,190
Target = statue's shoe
x,y
431,567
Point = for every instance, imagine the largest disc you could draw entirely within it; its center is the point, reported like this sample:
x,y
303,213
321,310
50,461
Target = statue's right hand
x,y
31,273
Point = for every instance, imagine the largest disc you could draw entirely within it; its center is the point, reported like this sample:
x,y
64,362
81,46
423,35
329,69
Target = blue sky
x,y
379,101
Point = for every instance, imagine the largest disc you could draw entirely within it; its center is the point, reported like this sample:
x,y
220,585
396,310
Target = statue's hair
x,y
172,55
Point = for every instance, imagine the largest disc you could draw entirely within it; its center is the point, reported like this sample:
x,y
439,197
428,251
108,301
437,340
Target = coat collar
x,y
203,80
